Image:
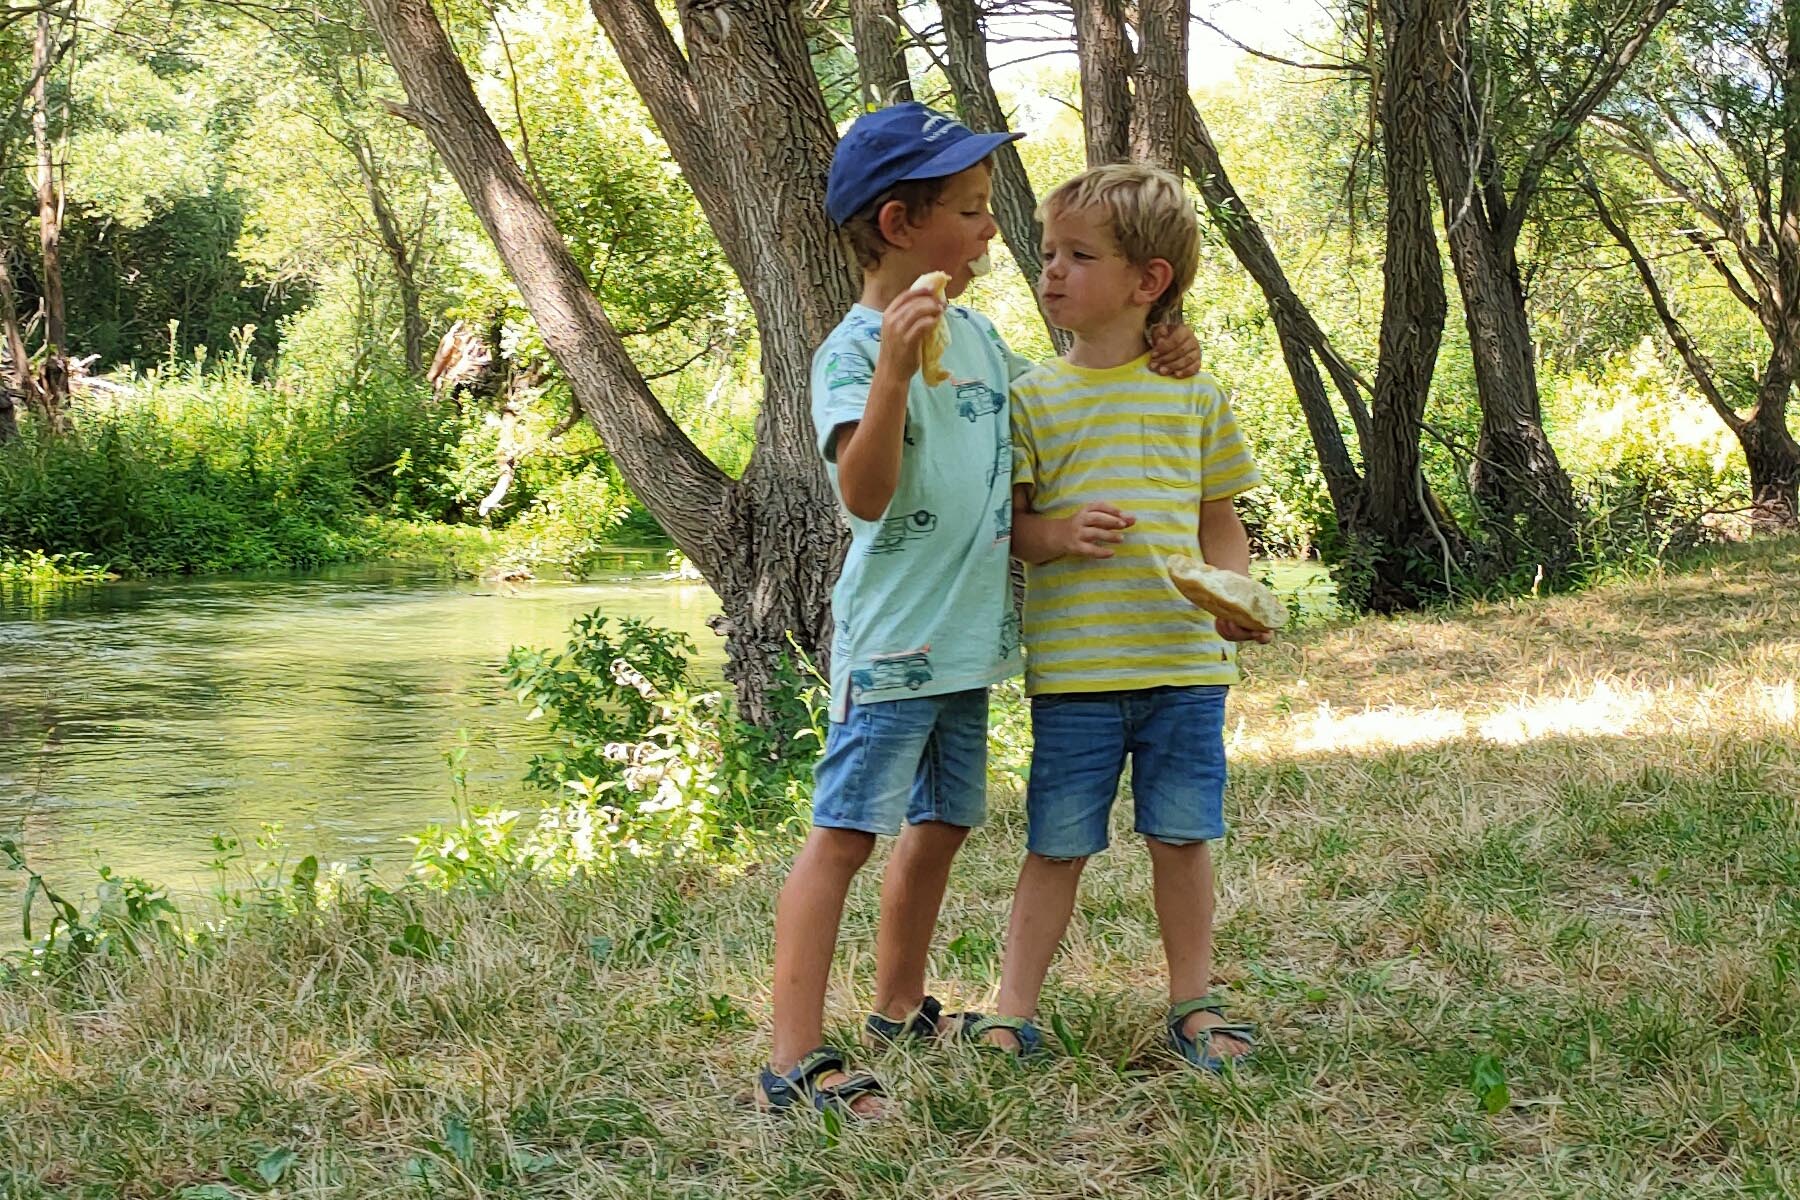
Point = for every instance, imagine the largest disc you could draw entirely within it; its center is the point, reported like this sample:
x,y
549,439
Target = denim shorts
x,y
1175,738
922,758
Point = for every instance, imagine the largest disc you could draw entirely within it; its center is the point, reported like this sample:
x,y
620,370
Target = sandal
x,y
921,1023
975,1027
801,1086
1197,1050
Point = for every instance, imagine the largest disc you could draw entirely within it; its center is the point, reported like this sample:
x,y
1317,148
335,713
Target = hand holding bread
x,y
1228,596
931,350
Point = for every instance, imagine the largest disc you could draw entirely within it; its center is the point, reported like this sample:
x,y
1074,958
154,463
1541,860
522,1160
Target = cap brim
x,y
963,155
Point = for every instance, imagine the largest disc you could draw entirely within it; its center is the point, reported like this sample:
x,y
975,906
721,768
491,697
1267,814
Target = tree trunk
x,y
770,544
1414,555
1527,503
53,382
1106,70
880,53
1161,96
1015,203
400,257
772,140
749,128
17,387
1770,449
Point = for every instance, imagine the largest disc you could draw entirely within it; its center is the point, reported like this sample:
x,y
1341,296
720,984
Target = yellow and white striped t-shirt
x,y
1152,447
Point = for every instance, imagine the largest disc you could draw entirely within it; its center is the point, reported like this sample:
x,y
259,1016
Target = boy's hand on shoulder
x,y
1231,631
905,325
1095,530
1174,351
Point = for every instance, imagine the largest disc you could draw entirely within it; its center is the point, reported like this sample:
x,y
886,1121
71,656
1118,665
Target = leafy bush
x,y
190,471
647,760
1650,459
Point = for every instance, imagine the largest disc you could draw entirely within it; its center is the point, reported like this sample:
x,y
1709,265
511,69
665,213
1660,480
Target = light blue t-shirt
x,y
924,605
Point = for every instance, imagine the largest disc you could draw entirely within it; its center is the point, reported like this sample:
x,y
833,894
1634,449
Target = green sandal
x,y
975,1028
800,1086
1197,1050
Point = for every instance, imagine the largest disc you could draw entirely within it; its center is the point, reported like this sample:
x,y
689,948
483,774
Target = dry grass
x,y
1560,837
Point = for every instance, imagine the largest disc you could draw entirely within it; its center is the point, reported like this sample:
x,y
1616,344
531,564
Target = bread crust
x,y
1227,594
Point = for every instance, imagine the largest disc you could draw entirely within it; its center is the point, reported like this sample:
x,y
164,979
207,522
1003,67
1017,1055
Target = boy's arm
x,y
868,451
1090,533
1224,544
1174,350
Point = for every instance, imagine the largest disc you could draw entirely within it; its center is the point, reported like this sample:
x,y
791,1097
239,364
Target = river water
x,y
138,719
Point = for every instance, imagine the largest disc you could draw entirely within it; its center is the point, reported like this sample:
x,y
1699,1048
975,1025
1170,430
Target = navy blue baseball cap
x,y
897,144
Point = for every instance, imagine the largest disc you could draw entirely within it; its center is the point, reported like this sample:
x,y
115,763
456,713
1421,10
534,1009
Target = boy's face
x,y
956,231
1087,282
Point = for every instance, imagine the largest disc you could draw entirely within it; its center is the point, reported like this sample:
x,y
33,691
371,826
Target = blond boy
x,y
1116,469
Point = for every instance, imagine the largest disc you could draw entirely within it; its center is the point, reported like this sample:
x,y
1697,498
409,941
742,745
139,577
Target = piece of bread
x,y
931,354
1227,594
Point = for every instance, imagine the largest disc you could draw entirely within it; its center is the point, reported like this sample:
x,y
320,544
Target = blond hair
x,y
1150,217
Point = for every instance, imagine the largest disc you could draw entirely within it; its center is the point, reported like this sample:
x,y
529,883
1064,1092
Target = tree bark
x,y
1770,450
747,115
1106,69
1015,202
1417,545
1161,95
53,379
1526,500
880,53
772,139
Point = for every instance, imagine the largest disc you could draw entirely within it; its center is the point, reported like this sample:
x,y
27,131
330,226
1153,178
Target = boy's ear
x,y
1154,278
891,220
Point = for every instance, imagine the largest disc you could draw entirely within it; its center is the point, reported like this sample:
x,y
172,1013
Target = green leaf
x,y
31,890
1488,1080
459,1139
416,941
275,1163
306,874
207,1191
1072,1043
600,948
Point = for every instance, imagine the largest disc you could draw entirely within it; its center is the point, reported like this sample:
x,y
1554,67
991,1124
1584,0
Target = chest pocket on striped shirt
x,y
1170,451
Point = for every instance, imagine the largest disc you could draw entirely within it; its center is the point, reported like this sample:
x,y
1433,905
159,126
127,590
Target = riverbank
x,y
1511,892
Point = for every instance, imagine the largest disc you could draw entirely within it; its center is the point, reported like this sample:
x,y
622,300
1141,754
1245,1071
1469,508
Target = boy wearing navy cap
x,y
924,613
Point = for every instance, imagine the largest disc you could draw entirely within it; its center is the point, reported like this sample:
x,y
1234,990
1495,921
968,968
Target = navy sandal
x,y
1197,1050
922,1023
975,1027
800,1087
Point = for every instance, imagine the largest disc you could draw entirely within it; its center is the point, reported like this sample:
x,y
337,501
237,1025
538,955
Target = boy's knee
x,y
840,849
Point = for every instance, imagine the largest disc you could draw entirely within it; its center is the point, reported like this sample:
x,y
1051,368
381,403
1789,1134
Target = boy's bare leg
x,y
806,929
912,892
1042,905
1184,910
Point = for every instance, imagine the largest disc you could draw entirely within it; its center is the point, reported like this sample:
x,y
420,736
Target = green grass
x,y
1514,894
